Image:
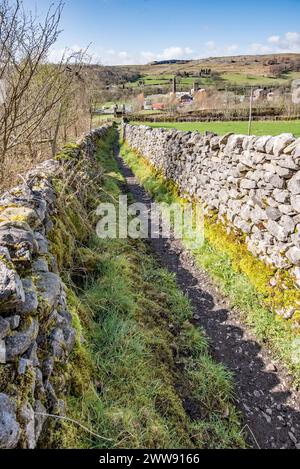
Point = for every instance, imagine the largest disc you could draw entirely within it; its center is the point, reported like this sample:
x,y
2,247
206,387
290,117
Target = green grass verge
x,y
238,127
139,361
226,261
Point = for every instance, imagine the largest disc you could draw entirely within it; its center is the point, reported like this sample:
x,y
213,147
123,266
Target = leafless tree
x,y
37,95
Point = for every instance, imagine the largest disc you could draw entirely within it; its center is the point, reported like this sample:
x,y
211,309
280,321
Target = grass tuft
x,y
141,375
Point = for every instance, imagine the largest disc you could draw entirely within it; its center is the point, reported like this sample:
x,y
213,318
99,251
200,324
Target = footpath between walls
x,y
252,341
98,344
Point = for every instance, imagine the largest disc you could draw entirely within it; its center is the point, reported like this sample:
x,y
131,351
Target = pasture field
x,y
244,79
239,127
226,79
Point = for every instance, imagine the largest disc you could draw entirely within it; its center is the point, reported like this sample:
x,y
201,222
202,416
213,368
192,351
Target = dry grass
x,y
23,158
19,163
249,64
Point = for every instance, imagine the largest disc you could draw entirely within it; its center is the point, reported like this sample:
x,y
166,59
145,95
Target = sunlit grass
x,y
268,327
144,353
239,127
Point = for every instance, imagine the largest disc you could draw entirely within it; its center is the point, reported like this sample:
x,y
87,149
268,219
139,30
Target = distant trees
x,y
40,101
138,102
204,72
276,70
209,99
276,66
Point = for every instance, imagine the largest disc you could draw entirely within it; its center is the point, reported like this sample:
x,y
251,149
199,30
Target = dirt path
x,y
271,409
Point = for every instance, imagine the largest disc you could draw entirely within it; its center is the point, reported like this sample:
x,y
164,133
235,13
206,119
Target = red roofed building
x,y
158,106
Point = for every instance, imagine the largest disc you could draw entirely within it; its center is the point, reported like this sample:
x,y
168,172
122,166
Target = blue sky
x,y
138,31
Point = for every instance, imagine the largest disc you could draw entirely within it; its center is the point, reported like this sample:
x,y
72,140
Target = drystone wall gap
x,y
251,183
36,332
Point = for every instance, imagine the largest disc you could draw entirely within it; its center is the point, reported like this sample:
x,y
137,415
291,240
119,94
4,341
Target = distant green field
x,y
230,79
240,127
165,80
255,80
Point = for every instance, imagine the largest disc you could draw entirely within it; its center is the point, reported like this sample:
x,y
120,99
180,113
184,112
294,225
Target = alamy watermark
x,y
159,220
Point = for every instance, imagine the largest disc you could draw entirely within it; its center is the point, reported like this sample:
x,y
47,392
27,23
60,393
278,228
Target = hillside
x,y
258,65
122,82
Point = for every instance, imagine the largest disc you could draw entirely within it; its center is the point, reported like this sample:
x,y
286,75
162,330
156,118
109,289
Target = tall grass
x,y
140,355
279,334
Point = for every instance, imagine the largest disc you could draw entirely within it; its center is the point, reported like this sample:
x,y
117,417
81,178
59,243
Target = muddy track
x,y
270,408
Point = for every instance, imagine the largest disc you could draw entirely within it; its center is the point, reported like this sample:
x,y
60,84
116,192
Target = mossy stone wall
x,y
41,221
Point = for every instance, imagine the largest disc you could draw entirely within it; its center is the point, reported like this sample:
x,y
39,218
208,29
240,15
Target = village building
x,y
158,106
186,99
260,94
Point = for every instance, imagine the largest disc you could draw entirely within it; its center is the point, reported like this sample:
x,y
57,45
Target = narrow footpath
x,y
271,409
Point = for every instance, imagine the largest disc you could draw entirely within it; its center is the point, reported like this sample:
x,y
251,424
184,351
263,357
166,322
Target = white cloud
x,y
148,56
55,55
289,42
106,57
273,39
232,48
114,57
292,39
176,52
257,48
211,45
169,53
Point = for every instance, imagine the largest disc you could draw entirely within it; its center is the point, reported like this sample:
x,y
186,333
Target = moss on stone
x,y
69,152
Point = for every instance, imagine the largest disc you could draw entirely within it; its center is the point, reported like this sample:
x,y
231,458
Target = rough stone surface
x,y
20,341
14,321
27,420
4,328
31,303
9,427
40,418
25,214
11,289
49,286
16,234
36,333
293,255
294,184
40,265
281,142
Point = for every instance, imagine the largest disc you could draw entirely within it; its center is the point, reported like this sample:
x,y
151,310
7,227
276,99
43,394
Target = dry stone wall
x,y
36,332
252,182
